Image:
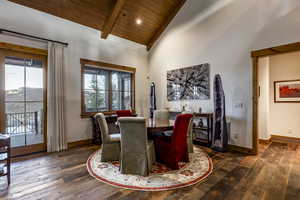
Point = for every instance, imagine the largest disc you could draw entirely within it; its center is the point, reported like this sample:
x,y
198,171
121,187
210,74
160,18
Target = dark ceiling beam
x,y
164,25
112,18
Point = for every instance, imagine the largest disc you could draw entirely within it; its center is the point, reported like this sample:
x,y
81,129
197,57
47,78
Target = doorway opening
x,y
279,97
273,69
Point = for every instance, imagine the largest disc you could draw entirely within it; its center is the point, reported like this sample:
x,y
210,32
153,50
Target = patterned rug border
x,y
193,182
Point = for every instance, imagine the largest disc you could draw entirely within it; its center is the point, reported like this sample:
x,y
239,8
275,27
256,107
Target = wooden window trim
x,y
108,66
23,49
103,65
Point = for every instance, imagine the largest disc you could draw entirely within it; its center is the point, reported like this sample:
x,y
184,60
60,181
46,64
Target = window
x,y
106,87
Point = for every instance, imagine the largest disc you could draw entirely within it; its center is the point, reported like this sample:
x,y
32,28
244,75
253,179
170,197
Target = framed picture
x,y
287,91
189,83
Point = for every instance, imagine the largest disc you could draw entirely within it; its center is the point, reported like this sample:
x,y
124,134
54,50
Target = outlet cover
x,y
236,136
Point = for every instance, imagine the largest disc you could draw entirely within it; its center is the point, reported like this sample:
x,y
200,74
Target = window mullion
x,y
97,91
132,98
121,92
109,91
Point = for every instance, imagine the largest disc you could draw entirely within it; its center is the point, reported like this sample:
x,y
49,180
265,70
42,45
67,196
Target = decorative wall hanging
x,y
287,91
220,135
189,83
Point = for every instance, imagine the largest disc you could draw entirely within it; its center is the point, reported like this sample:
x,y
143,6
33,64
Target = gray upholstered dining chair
x,y
137,153
110,142
190,134
161,115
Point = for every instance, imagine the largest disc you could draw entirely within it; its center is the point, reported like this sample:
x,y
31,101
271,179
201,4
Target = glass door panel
x,y
24,101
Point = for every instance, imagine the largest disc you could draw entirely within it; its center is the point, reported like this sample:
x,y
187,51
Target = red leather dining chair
x,y
124,113
172,149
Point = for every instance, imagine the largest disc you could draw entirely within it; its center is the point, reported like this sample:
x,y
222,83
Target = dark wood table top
x,y
154,126
159,125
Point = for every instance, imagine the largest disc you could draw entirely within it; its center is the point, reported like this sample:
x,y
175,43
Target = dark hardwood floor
x,y
273,174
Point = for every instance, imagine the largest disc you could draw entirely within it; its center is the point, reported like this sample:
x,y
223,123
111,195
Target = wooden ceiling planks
x,y
172,13
152,14
117,17
112,18
88,12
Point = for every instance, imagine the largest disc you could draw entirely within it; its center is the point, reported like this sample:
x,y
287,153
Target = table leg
x,y
8,163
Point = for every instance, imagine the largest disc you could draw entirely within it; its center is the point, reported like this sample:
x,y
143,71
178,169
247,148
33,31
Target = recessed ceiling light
x,y
138,21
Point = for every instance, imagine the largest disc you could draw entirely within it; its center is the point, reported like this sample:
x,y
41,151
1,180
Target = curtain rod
x,y
13,33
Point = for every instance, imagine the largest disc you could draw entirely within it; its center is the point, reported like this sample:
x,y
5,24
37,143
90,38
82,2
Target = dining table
x,y
156,126
159,125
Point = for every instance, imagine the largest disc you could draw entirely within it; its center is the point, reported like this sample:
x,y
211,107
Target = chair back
x,y
180,132
133,134
101,121
190,129
190,133
124,113
161,115
133,145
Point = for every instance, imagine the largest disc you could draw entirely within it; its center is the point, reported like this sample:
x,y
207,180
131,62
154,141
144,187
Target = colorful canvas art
x,y
287,91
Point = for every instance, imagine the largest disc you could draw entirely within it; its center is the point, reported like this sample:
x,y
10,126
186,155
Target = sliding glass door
x,y
24,101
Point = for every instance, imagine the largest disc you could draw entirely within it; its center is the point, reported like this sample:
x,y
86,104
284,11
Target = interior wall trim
x,y
264,141
285,139
239,149
79,143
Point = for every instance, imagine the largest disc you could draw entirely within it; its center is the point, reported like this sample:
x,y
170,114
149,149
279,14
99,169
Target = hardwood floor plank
x,y
278,182
34,189
293,186
240,190
272,174
220,190
269,176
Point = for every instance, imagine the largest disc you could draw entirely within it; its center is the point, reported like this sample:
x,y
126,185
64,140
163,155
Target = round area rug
x,y
160,178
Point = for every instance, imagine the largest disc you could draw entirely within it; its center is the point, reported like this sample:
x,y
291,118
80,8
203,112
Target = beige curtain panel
x,y
56,137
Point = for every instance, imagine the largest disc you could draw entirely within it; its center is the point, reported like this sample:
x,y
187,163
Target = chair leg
x,y
186,157
110,152
173,165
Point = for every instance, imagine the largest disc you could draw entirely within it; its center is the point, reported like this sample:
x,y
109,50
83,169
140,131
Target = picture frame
x,y
287,91
189,83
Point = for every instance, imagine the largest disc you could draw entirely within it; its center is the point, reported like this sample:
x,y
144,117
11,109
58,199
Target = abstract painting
x,y
287,91
189,83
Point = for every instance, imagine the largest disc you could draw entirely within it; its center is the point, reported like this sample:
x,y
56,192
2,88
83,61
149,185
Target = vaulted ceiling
x,y
141,21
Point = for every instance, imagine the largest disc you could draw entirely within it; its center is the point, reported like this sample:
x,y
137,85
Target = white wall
x,y
284,117
83,42
264,97
223,33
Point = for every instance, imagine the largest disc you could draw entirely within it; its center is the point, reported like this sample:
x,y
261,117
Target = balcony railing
x,y
18,123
